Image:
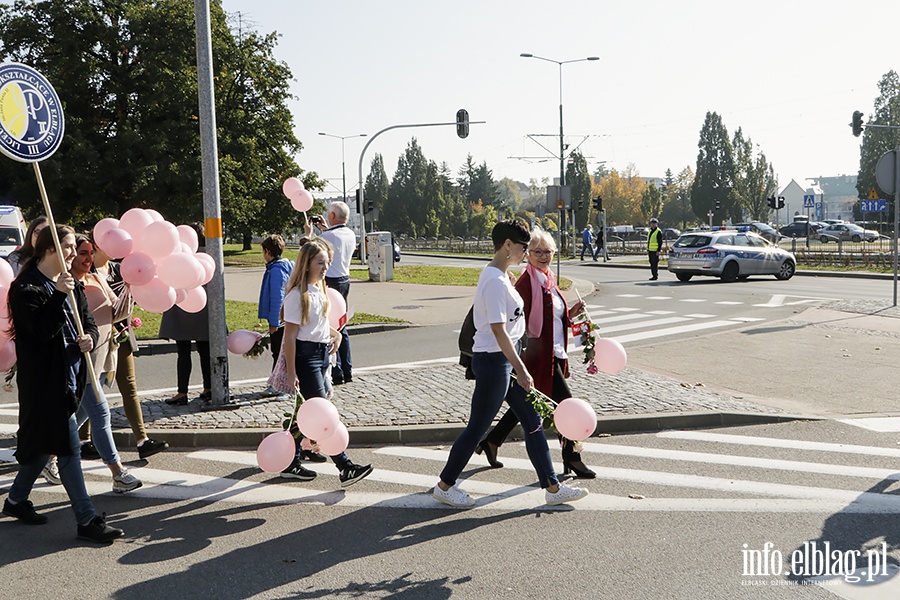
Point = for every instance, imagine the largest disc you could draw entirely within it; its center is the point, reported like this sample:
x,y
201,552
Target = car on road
x,y
799,229
729,254
671,234
763,229
847,232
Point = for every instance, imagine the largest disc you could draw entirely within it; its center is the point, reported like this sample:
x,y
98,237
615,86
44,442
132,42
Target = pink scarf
x,y
536,318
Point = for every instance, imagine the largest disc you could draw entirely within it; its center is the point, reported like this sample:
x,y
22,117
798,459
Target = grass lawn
x,y
462,276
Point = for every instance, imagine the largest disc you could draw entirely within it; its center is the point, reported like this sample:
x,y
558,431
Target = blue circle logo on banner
x,y
31,116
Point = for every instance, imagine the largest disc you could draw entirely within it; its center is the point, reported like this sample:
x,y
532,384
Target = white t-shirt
x,y
496,301
344,241
316,328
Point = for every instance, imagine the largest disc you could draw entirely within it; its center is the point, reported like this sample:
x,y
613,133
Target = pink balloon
x,y
240,340
337,442
155,296
180,270
291,186
575,419
117,243
160,239
8,355
610,356
276,452
4,305
154,214
6,274
318,419
104,225
135,221
194,301
5,327
302,200
138,268
209,266
337,309
180,295
185,249
188,236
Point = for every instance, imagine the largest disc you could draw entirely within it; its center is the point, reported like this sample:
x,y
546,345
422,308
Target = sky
x,y
789,73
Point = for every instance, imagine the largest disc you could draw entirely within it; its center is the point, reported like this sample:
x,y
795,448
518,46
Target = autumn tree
x,y
714,179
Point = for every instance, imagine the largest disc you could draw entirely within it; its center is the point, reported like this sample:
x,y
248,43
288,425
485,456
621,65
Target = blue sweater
x,y
271,294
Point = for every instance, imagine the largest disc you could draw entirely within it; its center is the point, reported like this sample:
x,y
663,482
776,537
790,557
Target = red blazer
x,y
538,354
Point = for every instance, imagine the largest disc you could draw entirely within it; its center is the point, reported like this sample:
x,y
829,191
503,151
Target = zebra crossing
x,y
739,476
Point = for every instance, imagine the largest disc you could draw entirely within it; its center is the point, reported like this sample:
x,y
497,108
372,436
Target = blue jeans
x,y
69,471
492,372
311,363
343,370
101,428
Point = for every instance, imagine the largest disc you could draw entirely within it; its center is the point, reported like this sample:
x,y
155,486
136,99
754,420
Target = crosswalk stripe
x,y
8,428
645,335
605,331
743,461
747,440
619,318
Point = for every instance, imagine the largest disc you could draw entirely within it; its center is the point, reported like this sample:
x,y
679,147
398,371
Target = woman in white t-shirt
x,y
308,342
499,325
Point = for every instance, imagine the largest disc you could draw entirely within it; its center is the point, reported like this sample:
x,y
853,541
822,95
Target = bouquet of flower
x,y
586,329
259,348
123,331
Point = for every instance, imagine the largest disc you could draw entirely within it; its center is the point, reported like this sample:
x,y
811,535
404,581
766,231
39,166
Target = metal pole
x,y
344,171
215,289
896,214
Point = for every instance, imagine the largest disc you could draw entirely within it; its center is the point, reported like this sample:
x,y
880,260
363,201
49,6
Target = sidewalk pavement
x,y
429,402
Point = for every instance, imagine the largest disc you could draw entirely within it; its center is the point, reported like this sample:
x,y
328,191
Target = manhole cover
x,y
408,307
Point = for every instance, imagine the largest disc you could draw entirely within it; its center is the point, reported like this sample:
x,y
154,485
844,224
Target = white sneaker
x,y
565,494
51,472
125,482
454,497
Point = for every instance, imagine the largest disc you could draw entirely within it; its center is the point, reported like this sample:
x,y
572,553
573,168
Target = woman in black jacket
x,y
51,376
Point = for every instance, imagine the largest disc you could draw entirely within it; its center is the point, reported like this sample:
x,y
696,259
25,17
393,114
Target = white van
x,y
12,229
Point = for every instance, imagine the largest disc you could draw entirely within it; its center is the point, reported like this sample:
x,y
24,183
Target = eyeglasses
x,y
542,252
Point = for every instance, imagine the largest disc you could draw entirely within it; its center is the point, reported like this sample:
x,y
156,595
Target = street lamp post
x,y
343,167
562,148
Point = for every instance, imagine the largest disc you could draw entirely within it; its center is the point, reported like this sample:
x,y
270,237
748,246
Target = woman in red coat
x,y
547,318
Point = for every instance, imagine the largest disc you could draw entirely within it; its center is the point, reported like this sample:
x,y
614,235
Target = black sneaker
x,y
89,451
151,447
354,473
313,456
98,531
23,511
298,472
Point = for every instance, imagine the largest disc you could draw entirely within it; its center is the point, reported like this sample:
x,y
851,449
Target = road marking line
x,y
729,302
619,318
660,312
659,297
700,316
692,300
625,309
628,295
638,325
746,319
8,428
634,337
879,424
779,443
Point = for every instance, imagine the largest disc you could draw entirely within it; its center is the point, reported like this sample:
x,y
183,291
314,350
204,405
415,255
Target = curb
x,y
448,432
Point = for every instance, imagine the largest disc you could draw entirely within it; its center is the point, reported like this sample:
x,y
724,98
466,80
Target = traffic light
x,y
462,123
580,203
773,203
358,206
718,205
370,204
857,123
598,204
780,202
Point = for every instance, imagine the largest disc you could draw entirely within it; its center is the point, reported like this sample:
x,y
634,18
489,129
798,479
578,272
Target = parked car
x,y
847,232
729,254
671,234
763,229
12,229
800,229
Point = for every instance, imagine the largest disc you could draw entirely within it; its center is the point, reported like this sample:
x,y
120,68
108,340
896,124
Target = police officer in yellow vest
x,y
655,243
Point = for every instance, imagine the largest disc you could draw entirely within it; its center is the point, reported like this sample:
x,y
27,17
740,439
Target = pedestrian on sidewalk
x,y
655,244
126,378
547,318
308,342
101,302
187,328
499,325
587,242
51,375
271,294
343,240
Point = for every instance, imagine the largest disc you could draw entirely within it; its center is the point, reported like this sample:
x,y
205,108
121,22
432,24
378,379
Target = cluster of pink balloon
x,y
240,341
318,419
7,346
299,196
160,261
575,419
610,356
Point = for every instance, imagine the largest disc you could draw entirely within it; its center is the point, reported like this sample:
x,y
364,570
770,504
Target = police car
x,y
730,254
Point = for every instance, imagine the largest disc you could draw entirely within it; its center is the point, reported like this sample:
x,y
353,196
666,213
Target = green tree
x,y
579,178
714,178
508,193
377,185
677,211
126,74
877,141
651,202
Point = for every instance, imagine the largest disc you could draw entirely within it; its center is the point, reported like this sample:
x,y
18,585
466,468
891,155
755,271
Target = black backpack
x,y
466,342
